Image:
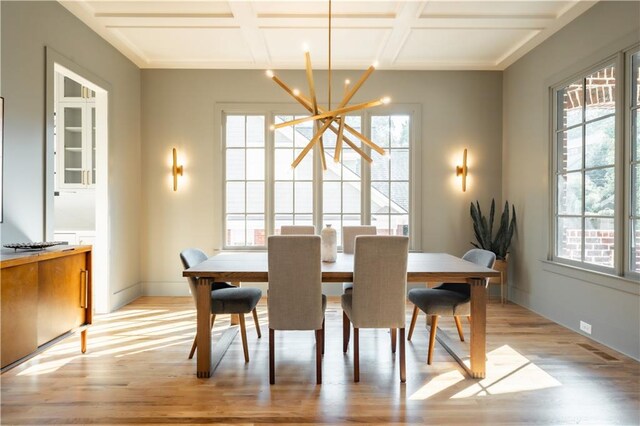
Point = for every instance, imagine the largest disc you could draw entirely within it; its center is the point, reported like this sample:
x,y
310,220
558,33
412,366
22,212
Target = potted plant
x,y
499,244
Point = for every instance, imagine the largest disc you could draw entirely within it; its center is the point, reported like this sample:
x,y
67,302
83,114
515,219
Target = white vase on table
x,y
329,248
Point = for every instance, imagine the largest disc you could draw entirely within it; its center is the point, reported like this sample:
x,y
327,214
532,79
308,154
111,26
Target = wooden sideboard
x,y
45,295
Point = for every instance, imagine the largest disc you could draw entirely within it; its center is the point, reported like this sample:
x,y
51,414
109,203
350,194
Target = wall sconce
x,y
462,170
176,170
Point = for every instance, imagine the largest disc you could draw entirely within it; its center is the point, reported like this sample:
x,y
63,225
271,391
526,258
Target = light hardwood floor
x,y
136,371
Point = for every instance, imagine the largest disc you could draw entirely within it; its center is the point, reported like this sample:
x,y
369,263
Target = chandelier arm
x,y
312,90
371,144
351,93
333,113
311,143
336,155
358,150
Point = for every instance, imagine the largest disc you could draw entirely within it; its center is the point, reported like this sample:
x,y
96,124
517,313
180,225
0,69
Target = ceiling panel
x,y
322,7
459,46
189,44
498,8
360,45
160,7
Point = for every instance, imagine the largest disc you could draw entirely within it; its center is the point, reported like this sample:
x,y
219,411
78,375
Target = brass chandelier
x,y
326,118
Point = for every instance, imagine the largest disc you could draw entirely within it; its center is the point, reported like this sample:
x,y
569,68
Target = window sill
x,y
624,284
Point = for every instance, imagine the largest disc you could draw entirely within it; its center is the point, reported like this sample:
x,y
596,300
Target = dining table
x,y
252,266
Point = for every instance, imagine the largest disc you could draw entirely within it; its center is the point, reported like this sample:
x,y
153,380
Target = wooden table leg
x,y
83,341
234,318
203,330
478,327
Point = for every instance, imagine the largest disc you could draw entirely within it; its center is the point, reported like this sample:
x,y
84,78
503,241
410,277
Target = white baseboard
x,y
125,296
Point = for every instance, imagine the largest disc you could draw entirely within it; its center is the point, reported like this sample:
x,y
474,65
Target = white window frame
x,y
622,168
628,164
270,110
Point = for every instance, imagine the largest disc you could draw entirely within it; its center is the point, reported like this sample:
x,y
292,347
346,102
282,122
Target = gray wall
x,y
27,27
459,109
610,305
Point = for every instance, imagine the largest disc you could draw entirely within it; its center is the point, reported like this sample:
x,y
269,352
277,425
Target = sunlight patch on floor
x,y
508,371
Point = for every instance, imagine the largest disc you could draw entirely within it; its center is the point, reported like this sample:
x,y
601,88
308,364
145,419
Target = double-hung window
x,y
262,192
595,168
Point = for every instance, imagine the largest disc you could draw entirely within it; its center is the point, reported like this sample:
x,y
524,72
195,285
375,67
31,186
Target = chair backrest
x,y
295,282
380,281
297,230
349,234
480,257
192,257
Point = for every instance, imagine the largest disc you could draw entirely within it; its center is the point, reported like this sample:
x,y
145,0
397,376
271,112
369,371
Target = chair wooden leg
x,y
195,339
469,319
272,361
356,355
323,333
394,337
256,322
414,318
432,337
319,345
346,329
243,333
403,364
459,327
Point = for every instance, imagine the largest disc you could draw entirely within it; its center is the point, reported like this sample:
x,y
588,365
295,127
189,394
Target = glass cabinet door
x,y
72,170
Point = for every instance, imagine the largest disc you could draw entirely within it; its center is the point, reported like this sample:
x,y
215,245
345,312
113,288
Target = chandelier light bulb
x,y
305,47
386,100
375,64
296,92
272,127
347,81
269,73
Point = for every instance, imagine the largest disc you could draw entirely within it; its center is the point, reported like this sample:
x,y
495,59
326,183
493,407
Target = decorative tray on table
x,y
32,246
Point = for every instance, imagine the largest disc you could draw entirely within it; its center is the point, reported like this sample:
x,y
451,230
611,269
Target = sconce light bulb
x,y
269,73
386,100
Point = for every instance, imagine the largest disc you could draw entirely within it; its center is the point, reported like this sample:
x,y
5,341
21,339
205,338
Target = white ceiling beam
x,y
405,20
247,20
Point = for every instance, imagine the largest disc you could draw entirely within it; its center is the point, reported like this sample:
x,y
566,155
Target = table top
x,y
421,267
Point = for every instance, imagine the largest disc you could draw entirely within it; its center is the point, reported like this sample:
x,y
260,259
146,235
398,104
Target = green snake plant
x,y
483,229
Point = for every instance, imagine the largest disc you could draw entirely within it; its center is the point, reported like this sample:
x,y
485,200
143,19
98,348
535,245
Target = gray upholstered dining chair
x,y
349,234
447,299
379,292
297,230
225,299
295,297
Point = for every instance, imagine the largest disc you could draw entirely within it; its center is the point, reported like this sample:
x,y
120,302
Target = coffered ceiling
x,y
400,35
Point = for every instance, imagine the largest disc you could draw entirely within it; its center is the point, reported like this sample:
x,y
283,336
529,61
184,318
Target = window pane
x,y
379,167
400,225
235,130
255,130
400,197
635,191
399,164
635,246
283,197
570,193
255,164
304,170
399,131
235,164
381,222
599,239
235,197
303,133
331,197
635,79
600,143
600,93
570,105
256,234
283,159
600,191
304,197
569,238
280,221
351,165
570,142
283,137
380,197
303,219
380,130
351,197
636,135
255,197
235,230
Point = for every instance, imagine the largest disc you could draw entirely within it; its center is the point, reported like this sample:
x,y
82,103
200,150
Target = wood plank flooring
x,y
136,371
